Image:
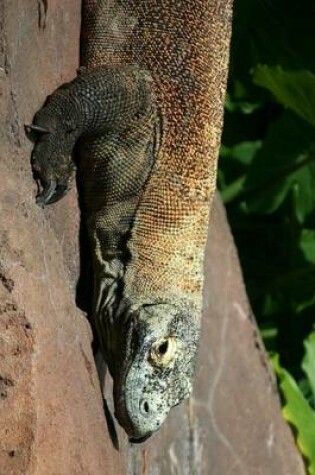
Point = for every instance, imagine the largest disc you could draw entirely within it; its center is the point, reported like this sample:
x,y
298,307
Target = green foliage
x,y
295,90
267,181
308,366
298,412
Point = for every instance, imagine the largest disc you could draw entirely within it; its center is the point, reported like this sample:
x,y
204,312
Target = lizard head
x,y
157,369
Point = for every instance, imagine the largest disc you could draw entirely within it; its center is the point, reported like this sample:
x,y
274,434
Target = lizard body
x,y
140,115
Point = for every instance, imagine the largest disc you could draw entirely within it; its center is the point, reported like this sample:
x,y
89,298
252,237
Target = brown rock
x,y
50,404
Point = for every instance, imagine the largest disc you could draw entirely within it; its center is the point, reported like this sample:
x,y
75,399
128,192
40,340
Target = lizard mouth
x,y
139,440
133,436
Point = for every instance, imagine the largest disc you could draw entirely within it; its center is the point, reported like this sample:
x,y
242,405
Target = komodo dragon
x,y
140,116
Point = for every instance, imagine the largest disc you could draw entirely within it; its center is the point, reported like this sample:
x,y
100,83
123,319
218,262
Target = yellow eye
x,y
163,351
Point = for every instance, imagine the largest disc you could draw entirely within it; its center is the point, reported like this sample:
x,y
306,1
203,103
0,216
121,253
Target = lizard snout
x,y
142,408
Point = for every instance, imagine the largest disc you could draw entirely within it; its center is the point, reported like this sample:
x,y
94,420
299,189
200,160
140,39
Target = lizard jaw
x,y
133,440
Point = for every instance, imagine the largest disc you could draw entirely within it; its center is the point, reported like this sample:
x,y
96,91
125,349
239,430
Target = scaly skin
x,y
141,114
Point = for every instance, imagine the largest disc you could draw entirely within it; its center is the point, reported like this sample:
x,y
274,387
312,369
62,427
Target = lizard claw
x,y
51,193
60,192
43,198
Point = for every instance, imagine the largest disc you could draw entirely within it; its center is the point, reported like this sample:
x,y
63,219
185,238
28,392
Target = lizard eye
x,y
163,351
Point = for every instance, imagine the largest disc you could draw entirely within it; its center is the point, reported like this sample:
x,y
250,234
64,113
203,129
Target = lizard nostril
x,y
144,407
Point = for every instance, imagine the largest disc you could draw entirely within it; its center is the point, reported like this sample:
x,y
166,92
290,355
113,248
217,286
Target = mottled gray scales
x,y
140,113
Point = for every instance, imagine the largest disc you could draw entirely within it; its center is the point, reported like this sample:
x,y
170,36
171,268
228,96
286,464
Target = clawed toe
x,y
60,192
43,198
51,193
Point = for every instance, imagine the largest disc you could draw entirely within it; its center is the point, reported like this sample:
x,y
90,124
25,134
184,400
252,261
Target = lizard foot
x,y
53,179
52,163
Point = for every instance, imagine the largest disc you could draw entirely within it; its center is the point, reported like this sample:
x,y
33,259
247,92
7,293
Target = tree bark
x,y
51,412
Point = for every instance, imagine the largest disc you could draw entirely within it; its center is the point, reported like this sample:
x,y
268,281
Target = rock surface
x,y
51,414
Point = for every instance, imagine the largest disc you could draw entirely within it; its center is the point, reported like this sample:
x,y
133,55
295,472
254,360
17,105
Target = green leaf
x,y
285,161
242,152
307,244
297,412
308,363
293,89
230,192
